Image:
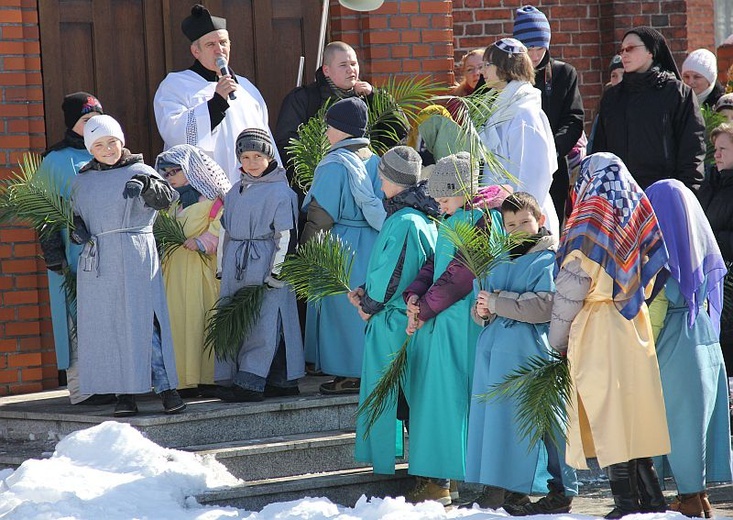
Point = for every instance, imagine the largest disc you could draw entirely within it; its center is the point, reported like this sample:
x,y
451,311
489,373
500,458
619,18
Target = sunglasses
x,y
171,172
629,48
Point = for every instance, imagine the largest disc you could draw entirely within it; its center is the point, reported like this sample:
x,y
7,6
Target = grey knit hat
x,y
401,165
453,176
255,140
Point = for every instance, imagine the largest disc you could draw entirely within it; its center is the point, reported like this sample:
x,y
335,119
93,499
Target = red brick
x,y
26,249
9,376
28,375
8,345
23,328
377,22
420,21
25,388
24,94
20,297
25,360
30,344
50,375
382,37
409,7
19,266
409,36
16,235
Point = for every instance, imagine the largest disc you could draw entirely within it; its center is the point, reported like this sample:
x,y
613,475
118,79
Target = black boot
x,y
126,406
650,492
623,480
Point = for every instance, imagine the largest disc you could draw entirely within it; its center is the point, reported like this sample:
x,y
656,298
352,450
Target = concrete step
x,y
48,415
284,456
343,487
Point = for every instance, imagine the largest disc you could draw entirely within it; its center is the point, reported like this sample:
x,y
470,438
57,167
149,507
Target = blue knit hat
x,y
350,115
531,27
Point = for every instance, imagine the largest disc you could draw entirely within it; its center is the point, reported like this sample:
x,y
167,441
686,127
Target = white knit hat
x,y
102,126
704,63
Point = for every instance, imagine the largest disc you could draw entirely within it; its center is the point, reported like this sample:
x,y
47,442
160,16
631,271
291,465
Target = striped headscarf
x,y
201,171
694,255
613,224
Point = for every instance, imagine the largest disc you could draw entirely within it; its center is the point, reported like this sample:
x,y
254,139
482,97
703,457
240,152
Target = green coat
x,y
408,234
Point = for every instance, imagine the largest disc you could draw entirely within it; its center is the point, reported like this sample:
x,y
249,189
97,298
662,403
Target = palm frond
x,y
541,389
726,318
35,200
69,287
386,390
231,321
169,234
321,267
712,120
480,249
307,150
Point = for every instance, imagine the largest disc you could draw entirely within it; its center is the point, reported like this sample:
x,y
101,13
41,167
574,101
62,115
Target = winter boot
x,y
555,502
126,406
651,499
491,497
172,402
707,509
623,480
688,504
425,489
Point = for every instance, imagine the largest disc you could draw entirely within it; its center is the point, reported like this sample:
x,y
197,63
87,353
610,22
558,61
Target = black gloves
x,y
136,185
80,234
53,252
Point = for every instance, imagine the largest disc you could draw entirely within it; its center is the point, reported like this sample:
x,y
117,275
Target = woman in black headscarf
x,y
651,119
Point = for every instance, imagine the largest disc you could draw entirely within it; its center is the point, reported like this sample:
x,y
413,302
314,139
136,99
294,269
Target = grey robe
x,y
256,210
120,288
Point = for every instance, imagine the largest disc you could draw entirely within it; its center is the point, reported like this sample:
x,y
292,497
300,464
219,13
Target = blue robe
x,y
497,454
440,368
334,332
61,166
695,397
410,231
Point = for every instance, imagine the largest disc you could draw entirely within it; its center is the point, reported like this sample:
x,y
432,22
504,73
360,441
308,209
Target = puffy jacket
x,y
716,198
653,123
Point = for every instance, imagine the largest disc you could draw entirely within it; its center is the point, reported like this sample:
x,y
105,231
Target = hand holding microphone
x,y
226,84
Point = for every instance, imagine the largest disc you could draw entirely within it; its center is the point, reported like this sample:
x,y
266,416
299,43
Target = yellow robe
x,y
192,289
617,412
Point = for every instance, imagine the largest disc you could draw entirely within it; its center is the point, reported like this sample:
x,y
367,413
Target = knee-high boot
x,y
623,480
650,492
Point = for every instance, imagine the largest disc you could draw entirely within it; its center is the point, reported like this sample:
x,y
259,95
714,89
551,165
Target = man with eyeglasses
x,y
201,106
561,101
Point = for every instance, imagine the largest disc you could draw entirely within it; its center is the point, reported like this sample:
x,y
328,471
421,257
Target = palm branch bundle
x,y
480,249
726,318
393,107
34,199
712,120
386,390
307,150
169,234
541,388
319,268
231,321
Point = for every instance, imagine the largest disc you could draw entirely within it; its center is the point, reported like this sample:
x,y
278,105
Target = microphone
x,y
221,62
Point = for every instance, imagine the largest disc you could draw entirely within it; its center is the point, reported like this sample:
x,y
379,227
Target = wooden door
x,y
120,50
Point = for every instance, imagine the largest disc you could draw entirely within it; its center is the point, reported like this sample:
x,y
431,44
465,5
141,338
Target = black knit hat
x,y
656,44
401,165
201,22
349,115
616,63
255,140
77,104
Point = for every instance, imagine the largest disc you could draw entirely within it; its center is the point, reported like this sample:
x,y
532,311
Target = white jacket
x,y
519,134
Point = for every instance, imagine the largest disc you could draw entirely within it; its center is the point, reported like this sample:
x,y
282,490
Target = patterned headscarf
x,y
694,255
613,224
201,171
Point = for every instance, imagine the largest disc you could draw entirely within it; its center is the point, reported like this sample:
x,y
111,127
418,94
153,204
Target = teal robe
x,y
61,166
440,369
411,231
334,332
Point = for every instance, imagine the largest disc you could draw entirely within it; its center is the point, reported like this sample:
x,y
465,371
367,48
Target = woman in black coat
x,y
651,119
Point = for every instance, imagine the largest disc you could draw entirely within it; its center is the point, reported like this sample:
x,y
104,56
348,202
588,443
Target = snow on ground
x,y
112,472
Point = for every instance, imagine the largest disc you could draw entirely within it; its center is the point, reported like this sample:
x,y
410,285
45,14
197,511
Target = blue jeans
x,y
160,376
277,376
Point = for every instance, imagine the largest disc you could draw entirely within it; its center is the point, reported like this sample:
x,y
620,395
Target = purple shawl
x,y
694,256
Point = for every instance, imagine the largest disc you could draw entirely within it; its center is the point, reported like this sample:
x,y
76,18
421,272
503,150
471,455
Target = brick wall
x,y
27,359
401,38
587,33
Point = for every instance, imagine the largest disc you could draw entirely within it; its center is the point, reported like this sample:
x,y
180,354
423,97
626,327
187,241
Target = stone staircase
x,y
282,448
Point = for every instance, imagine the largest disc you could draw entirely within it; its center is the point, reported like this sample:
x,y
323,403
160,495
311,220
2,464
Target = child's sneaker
x,y
172,402
426,490
553,503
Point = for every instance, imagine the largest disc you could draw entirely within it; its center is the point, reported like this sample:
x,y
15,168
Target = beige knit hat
x,y
453,175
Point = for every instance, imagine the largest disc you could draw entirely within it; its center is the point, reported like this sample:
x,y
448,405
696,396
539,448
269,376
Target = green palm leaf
x,y
307,150
541,389
169,234
386,390
319,268
231,321
35,200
